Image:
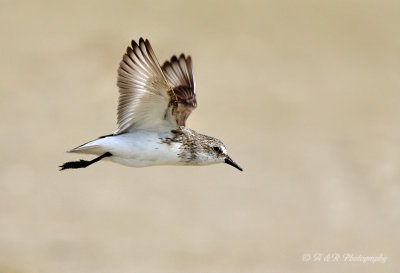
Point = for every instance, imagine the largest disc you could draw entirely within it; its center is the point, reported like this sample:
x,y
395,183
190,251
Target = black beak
x,y
229,161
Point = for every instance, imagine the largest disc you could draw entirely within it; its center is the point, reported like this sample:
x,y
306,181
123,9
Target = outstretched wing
x,y
179,73
146,99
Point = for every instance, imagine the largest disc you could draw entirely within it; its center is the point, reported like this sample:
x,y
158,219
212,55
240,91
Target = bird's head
x,y
214,151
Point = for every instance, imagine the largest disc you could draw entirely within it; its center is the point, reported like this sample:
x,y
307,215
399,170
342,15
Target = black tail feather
x,y
82,163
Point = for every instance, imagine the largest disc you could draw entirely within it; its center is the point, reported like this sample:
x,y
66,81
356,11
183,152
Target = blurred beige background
x,y
305,94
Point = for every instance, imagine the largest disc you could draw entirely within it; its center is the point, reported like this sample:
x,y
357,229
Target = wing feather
x,y
146,99
179,73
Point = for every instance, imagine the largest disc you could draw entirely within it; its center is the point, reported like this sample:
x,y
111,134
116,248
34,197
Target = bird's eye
x,y
217,149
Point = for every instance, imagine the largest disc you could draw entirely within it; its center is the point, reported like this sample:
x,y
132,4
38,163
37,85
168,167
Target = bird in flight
x,y
153,106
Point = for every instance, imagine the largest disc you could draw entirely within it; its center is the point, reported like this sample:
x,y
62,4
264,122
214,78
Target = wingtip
x,y
147,43
174,58
133,44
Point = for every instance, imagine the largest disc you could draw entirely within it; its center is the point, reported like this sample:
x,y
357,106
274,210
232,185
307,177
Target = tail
x,y
82,163
95,147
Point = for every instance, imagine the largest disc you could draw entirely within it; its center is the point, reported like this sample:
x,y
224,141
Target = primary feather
x,y
179,73
146,99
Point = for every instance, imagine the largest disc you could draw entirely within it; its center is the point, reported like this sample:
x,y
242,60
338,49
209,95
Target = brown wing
x,y
179,73
146,99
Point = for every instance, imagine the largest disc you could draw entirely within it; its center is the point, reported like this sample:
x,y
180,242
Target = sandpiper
x,y
153,106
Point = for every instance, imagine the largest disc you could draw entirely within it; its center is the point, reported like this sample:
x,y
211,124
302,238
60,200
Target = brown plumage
x,y
179,73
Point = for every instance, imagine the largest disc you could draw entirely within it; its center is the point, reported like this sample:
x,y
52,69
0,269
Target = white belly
x,y
142,148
